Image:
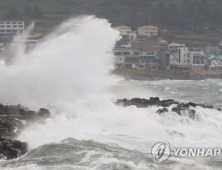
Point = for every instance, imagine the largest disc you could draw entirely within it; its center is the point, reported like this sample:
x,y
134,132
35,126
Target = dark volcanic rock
x,y
192,104
43,113
11,149
13,119
179,108
160,111
143,103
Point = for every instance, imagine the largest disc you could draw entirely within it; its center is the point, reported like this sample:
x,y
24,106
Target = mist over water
x,y
69,73
72,64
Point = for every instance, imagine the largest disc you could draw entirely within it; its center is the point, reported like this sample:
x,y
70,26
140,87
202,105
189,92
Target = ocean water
x,y
70,74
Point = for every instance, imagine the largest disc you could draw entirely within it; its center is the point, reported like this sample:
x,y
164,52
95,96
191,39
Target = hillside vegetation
x,y
166,14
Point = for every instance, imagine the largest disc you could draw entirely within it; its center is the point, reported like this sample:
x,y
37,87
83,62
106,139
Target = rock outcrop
x,y
10,149
13,119
178,108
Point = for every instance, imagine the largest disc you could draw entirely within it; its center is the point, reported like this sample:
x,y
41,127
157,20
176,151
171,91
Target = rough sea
x,y
70,74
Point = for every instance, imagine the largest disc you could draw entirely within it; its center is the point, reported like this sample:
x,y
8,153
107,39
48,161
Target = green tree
x,y
37,13
28,10
12,13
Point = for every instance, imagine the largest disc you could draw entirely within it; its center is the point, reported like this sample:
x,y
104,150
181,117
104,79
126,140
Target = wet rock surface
x,y
10,149
179,108
13,119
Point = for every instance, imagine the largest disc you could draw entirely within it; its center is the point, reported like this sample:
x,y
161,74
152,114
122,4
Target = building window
x,y
2,26
15,26
117,53
20,26
136,53
126,53
8,26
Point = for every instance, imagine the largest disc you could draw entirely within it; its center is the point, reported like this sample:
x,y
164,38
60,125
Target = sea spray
x,y
69,72
72,64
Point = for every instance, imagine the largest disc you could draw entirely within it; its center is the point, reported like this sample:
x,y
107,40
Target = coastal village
x,y
14,32
138,49
143,49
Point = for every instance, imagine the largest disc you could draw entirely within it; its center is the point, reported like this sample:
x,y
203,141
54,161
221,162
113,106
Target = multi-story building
x,y
127,57
123,29
182,56
147,30
11,27
126,32
120,54
132,61
149,60
150,45
187,59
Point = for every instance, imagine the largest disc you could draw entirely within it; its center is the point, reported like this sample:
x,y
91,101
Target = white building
x,y
175,46
182,55
126,57
11,27
147,30
131,35
123,29
126,31
120,54
190,57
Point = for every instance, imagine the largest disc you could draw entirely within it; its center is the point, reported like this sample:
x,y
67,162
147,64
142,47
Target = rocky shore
x,y
13,119
178,108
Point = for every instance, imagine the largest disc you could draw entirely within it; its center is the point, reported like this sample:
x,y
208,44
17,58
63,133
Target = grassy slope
x,y
116,11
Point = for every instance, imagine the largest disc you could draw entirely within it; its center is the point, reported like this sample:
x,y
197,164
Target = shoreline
x,y
154,75
155,79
